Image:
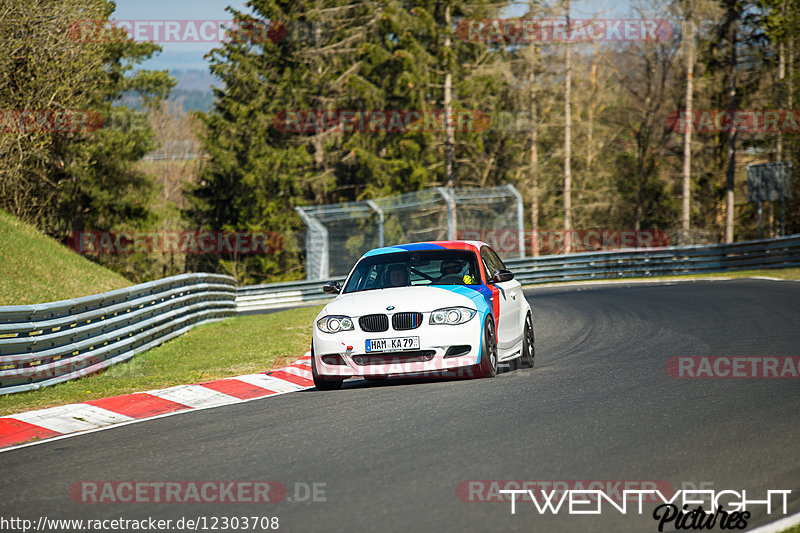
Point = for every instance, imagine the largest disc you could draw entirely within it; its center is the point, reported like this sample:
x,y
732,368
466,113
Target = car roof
x,y
427,245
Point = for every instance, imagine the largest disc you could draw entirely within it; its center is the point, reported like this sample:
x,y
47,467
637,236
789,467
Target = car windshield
x,y
403,269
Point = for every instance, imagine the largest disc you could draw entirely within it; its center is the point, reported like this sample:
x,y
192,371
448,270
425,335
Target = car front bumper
x,y
437,351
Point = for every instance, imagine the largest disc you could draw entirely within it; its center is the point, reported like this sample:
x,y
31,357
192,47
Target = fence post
x,y
448,196
317,229
520,220
378,210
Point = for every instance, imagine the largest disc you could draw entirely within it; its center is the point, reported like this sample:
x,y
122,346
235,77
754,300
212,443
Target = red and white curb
x,y
34,426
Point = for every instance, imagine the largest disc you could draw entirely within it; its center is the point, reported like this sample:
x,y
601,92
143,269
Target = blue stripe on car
x,y
404,248
480,295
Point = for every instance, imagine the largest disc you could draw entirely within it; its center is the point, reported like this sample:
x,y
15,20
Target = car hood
x,y
421,299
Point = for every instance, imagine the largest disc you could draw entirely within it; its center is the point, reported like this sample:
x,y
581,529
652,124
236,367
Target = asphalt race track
x,y
599,405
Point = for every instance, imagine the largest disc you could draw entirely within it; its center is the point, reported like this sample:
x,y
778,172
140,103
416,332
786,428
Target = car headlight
x,y
335,323
452,315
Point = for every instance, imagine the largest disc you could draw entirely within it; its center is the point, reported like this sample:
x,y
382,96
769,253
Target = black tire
x,y
528,344
321,383
487,368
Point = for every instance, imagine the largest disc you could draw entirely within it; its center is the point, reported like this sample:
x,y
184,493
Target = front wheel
x,y
319,382
487,368
528,346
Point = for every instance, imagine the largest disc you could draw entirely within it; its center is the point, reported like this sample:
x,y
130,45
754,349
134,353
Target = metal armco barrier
x,y
277,295
45,344
617,264
762,254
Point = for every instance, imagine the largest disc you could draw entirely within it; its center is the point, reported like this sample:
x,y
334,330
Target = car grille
x,y
373,323
391,358
401,321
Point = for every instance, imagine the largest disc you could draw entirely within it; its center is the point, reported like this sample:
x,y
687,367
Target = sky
x,y
177,55
189,56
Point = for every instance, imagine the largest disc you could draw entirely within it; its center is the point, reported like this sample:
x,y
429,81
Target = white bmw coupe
x,y
419,308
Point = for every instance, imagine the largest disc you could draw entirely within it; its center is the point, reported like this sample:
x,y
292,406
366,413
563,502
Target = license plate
x,y
392,345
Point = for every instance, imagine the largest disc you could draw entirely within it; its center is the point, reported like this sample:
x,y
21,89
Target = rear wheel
x,y
487,368
528,346
319,382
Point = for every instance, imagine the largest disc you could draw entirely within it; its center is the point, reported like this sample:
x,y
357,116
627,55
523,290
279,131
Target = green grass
x,y
232,347
780,273
793,529
36,269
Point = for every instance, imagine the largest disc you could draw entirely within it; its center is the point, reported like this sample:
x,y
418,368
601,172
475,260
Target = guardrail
x,y
277,295
616,264
45,344
767,253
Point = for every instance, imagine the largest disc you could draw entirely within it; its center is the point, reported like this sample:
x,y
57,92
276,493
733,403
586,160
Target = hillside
x,y
35,268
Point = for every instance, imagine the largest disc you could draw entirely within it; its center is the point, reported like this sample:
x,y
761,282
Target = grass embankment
x,y
36,269
232,347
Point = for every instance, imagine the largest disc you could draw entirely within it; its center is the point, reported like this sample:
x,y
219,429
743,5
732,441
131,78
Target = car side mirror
x,y
332,287
500,276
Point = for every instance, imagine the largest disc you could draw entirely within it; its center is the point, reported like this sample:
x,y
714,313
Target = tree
x,y
81,177
688,38
781,23
645,75
362,56
733,14
567,131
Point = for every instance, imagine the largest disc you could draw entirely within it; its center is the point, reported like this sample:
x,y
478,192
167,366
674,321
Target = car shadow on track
x,y
431,377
